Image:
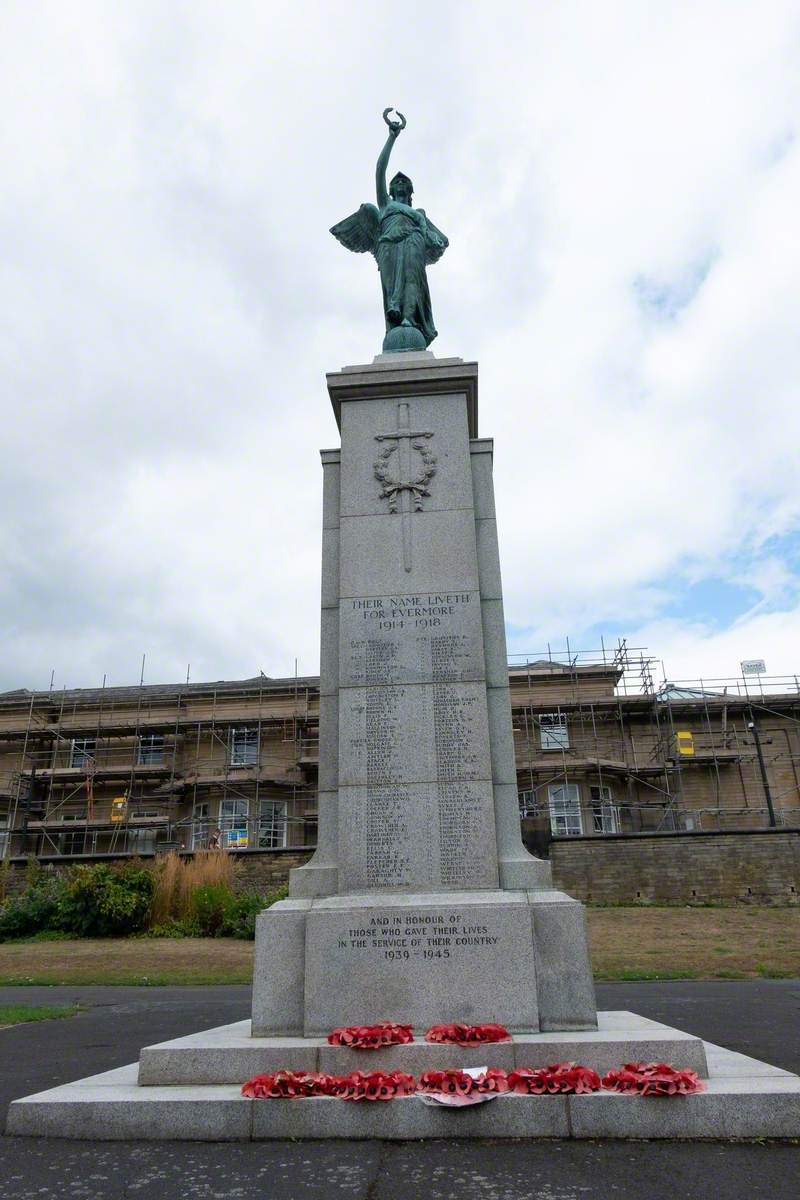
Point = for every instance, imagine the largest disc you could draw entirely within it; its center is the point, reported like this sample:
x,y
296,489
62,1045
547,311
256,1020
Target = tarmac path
x,y
760,1018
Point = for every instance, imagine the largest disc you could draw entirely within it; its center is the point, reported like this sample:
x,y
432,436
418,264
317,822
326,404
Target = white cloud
x,y
620,187
690,651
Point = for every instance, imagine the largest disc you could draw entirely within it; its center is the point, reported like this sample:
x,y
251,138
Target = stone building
x,y
136,769
601,751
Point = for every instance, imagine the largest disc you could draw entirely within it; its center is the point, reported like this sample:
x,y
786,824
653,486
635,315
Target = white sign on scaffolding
x,y
754,666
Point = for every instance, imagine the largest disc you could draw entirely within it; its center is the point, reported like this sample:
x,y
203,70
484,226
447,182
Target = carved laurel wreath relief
x,y
394,486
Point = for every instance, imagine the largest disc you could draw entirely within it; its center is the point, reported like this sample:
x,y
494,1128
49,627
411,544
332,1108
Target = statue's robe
x,y
404,242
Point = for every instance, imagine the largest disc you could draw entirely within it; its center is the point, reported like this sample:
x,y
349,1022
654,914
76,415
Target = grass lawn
x,y
17,1014
626,943
695,943
127,961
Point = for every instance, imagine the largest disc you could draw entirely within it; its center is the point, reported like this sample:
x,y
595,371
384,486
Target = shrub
x,y
33,872
177,879
213,905
38,908
103,900
106,901
241,918
5,876
169,929
279,893
214,868
167,895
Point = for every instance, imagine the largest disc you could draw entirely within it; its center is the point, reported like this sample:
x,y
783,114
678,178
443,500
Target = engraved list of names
x,y
414,741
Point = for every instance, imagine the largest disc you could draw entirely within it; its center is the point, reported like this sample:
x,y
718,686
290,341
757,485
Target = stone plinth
x,y
232,1053
421,903
417,777
474,956
182,1100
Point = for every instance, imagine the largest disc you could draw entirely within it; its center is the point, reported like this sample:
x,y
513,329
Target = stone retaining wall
x,y
259,871
762,867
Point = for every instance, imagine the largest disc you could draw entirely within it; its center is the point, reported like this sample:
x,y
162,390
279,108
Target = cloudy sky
x,y
620,183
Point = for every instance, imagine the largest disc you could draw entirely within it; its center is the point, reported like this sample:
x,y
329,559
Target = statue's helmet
x,y
401,182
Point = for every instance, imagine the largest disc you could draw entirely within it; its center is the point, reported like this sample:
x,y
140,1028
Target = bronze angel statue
x,y
404,243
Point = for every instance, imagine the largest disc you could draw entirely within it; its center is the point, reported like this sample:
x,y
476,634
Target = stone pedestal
x,y
417,776
421,903
474,956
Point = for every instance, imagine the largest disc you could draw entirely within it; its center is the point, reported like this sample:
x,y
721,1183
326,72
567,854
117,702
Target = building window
x,y
82,751
605,815
150,752
565,809
141,841
243,747
4,835
527,804
201,827
233,823
553,731
72,843
74,814
272,824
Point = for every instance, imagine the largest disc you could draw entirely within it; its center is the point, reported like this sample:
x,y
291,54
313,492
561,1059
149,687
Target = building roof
x,y
542,666
671,691
157,691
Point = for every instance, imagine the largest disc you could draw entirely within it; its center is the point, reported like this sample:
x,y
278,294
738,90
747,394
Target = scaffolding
x,y
161,758
675,755
153,767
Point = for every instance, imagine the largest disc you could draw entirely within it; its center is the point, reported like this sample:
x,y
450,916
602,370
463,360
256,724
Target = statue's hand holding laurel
x,y
395,127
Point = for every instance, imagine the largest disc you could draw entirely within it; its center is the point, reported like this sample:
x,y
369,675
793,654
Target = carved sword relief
x,y
404,486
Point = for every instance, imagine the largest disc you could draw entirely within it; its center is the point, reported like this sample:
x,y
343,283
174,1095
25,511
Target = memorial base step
x,y
744,1098
230,1055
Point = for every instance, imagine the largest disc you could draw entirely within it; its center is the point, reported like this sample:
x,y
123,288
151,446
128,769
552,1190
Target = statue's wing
x,y
359,232
435,243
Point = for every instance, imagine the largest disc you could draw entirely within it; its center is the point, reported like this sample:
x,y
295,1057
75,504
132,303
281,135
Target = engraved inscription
x,y
420,835
380,660
413,733
454,722
383,740
416,791
449,654
462,832
435,935
414,638
389,848
414,759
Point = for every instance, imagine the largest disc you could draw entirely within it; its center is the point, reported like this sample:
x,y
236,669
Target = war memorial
x,y
421,905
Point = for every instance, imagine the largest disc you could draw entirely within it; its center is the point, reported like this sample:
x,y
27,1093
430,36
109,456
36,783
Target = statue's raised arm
x,y
403,241
395,128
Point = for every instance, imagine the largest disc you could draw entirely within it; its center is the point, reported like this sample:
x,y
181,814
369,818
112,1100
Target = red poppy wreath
x,y
468,1035
371,1037
653,1079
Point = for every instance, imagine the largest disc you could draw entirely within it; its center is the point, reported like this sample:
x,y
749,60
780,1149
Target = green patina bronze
x,y
404,243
